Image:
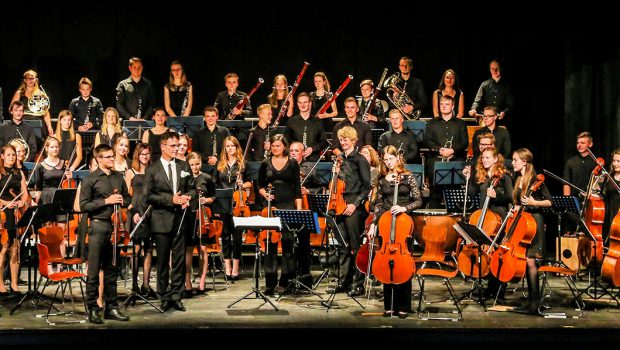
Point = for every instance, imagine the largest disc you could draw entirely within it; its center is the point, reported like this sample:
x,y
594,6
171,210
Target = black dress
x,y
14,177
317,103
104,138
137,203
48,181
179,97
232,240
154,144
66,146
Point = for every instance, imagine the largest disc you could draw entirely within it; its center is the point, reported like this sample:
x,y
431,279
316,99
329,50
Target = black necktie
x,y
170,173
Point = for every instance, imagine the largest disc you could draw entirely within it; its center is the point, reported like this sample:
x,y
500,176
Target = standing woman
x,y
49,173
28,89
449,86
231,163
69,140
121,159
525,176
20,150
277,96
282,172
610,194
318,98
153,135
110,128
375,168
16,185
178,92
396,297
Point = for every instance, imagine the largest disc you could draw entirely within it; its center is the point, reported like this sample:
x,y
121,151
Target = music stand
x,y
318,204
449,173
295,221
256,223
417,126
473,235
455,199
36,124
376,135
135,128
563,205
33,217
65,198
323,173
417,170
186,125
88,142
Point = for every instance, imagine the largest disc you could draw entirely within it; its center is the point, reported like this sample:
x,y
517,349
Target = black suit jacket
x,y
157,191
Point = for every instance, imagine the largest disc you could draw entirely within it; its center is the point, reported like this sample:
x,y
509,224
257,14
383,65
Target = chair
x,y
52,237
63,278
545,289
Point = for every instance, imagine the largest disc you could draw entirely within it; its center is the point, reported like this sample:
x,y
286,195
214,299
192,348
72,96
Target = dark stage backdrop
x,y
560,88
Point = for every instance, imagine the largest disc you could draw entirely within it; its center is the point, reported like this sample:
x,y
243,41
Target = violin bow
x,y
148,209
315,164
4,187
604,171
38,160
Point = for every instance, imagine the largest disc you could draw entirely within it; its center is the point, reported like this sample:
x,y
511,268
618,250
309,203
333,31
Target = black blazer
x,y
157,191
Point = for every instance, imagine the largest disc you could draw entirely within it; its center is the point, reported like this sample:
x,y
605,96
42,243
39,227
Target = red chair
x,y
52,237
64,279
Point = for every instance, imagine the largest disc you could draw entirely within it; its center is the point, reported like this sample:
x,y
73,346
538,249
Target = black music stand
x,y
449,173
417,170
243,223
417,126
295,221
251,170
376,135
135,128
186,125
65,198
323,173
563,205
455,199
473,235
34,217
318,204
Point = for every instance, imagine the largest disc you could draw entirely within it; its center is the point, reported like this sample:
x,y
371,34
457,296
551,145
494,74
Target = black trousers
x,y
100,257
351,227
270,264
303,257
231,238
170,285
397,297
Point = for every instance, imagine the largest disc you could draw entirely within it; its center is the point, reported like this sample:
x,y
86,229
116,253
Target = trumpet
x,y
39,102
399,97
448,144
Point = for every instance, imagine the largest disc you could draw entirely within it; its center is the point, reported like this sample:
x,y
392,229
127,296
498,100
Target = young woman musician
x,y
204,183
12,184
29,88
20,150
70,141
121,160
229,166
397,297
110,128
282,173
318,98
143,241
375,167
449,86
178,92
183,145
153,135
610,194
279,94
525,176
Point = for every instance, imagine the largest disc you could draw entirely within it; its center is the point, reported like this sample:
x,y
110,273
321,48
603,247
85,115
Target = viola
x,y
509,260
268,235
4,234
393,263
610,270
336,203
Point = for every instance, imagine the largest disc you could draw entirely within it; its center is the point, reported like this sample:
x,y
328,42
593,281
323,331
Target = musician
x,y
16,187
319,97
447,139
143,239
578,168
400,138
484,141
306,129
397,297
97,198
260,146
183,145
17,129
28,89
167,187
70,141
110,128
525,176
362,130
370,154
312,184
277,97
501,134
610,193
225,101
20,150
121,159
178,92
135,96
413,87
231,174
355,172
152,135
87,110
282,172
490,162
377,117
493,92
202,182
449,86
209,140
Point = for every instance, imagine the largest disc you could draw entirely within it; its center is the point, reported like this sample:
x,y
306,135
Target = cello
x,y
509,259
393,263
593,215
268,235
487,221
610,270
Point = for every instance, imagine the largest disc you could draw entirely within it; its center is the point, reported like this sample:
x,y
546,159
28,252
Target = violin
x,y
509,260
393,263
240,197
271,235
610,270
489,222
207,226
336,202
120,233
593,214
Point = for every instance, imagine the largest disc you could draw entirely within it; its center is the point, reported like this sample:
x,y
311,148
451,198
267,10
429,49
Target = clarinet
x,y
267,152
139,114
214,146
305,138
185,101
87,119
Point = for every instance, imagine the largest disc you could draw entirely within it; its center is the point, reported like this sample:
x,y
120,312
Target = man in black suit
x,y
167,188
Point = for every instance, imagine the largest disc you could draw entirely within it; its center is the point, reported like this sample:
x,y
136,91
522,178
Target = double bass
x,y
393,263
593,215
610,270
509,259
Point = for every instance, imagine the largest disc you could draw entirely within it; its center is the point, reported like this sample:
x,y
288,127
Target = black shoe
x,y
166,305
188,294
402,314
93,317
114,314
356,292
21,282
388,313
178,305
201,291
528,309
270,292
234,277
339,289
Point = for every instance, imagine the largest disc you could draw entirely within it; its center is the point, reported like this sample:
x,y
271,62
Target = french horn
x,y
38,103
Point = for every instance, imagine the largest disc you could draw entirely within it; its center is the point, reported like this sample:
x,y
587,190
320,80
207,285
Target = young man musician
x,y
209,140
17,129
413,87
403,140
135,96
578,168
502,136
376,118
306,129
167,188
86,109
362,130
225,101
99,193
259,147
493,92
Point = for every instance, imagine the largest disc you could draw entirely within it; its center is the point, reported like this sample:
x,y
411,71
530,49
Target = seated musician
x,y
209,140
87,110
70,141
259,147
17,129
277,97
403,140
135,96
178,92
502,136
306,129
610,194
319,97
225,101
396,297
362,130
447,139
449,86
376,118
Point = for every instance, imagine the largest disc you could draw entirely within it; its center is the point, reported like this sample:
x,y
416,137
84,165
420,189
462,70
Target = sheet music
x,y
258,222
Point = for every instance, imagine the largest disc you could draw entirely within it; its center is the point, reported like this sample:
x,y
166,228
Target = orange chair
x,y
545,289
52,237
63,278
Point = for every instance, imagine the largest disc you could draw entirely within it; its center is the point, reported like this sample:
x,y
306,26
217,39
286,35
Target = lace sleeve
x,y
416,198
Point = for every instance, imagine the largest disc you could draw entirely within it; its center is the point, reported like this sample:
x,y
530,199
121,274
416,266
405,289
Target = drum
x,y
435,218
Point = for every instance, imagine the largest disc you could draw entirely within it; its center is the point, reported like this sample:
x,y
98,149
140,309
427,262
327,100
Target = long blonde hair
x,y
525,155
223,163
58,132
482,173
272,98
22,86
117,124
